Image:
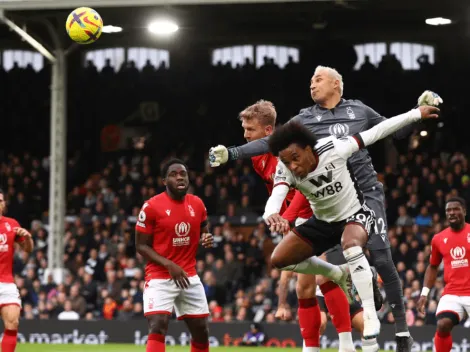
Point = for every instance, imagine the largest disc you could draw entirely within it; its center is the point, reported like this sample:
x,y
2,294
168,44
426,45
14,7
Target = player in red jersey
x,y
168,233
452,245
10,301
258,121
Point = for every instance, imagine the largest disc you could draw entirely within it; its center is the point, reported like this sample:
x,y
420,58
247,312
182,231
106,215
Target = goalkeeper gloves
x,y
218,155
429,98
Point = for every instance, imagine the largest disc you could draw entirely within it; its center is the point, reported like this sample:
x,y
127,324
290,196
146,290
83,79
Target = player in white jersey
x,y
319,169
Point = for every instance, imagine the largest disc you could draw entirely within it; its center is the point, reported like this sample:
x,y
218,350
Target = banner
x,y
221,334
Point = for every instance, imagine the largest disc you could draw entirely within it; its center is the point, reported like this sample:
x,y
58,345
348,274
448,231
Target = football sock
x,y
9,340
199,347
315,265
310,322
338,306
155,343
443,341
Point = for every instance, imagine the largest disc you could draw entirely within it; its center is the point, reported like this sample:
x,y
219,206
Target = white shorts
x,y
162,295
9,295
454,304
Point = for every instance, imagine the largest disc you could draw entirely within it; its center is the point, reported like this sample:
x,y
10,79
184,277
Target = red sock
x,y
155,343
9,340
338,306
199,347
309,321
443,341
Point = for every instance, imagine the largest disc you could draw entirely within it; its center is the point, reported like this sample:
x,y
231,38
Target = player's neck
x,y
458,229
175,197
331,102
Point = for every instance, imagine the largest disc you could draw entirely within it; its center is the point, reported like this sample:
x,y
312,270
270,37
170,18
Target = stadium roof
x,y
241,21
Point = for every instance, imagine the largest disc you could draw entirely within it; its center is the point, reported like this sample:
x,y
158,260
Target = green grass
x,y
133,348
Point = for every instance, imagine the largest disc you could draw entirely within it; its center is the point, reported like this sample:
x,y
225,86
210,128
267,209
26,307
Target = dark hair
x,y
1,191
290,132
460,200
170,162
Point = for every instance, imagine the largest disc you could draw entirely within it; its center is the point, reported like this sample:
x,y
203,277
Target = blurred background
x,y
135,99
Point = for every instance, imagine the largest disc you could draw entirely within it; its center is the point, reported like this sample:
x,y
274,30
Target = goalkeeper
x,y
333,115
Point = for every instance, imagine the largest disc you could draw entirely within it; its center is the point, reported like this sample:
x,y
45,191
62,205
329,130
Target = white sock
x,y
346,342
361,277
310,349
403,334
316,266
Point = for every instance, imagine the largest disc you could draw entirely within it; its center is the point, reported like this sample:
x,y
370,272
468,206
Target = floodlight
x,y
163,27
111,29
438,21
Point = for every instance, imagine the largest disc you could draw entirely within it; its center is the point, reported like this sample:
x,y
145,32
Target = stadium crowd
x,y
105,276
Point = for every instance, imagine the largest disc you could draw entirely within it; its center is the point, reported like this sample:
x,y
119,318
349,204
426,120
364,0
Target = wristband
x,y
232,153
425,291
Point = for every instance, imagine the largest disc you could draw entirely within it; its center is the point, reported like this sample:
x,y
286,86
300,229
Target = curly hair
x,y
289,133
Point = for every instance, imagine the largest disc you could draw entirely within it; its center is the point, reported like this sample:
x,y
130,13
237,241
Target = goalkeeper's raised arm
x,y
220,154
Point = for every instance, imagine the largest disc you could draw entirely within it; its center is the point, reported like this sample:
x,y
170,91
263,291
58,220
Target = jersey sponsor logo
x,y
182,230
318,182
339,130
350,113
3,242
141,224
458,256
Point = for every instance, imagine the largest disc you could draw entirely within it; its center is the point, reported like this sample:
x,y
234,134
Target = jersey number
x,y
329,190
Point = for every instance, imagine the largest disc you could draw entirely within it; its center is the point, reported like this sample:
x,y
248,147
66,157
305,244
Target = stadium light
x,y
424,133
111,29
163,27
438,21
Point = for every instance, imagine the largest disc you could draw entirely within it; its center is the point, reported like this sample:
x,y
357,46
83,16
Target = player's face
x,y
2,203
455,214
254,130
177,179
299,160
322,86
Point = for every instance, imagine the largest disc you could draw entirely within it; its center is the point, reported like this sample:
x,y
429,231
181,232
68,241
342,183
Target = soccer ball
x,y
84,25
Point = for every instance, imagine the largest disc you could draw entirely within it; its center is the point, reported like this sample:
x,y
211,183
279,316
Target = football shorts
x,y
9,295
162,295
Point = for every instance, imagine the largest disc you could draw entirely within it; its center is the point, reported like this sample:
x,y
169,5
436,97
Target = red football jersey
x,y
454,248
176,230
265,166
7,248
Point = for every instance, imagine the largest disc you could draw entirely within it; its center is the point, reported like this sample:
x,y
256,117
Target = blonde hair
x,y
263,111
333,74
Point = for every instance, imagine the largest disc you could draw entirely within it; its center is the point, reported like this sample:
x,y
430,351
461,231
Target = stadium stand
x,y
105,190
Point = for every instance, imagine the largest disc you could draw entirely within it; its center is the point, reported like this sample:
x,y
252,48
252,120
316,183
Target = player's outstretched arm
x,y
352,144
427,98
220,154
144,246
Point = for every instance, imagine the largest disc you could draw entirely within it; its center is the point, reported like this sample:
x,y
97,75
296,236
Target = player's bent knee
x,y
351,242
12,323
446,321
281,263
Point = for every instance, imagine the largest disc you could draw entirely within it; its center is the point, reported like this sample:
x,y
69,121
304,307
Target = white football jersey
x,y
331,188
